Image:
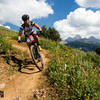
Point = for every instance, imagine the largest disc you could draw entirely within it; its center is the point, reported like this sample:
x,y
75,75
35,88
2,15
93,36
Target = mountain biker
x,y
27,27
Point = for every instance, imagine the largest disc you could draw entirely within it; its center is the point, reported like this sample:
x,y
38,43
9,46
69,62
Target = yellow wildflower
x,y
66,55
88,98
85,95
68,86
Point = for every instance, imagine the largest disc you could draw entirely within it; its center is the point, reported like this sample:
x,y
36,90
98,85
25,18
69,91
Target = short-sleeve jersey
x,y
27,29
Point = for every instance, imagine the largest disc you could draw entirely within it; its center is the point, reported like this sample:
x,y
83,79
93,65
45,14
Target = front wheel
x,y
37,58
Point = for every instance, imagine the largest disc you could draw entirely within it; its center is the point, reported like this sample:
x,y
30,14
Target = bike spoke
x,y
37,57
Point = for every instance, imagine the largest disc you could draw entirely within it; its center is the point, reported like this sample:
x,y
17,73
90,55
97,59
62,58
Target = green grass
x,y
5,46
73,73
8,52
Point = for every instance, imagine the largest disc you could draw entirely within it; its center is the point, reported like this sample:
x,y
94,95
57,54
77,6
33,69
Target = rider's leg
x,y
36,39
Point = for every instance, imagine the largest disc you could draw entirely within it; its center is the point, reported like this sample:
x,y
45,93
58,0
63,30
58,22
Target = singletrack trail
x,y
23,83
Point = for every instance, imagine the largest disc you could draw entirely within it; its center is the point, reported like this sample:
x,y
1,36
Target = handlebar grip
x,y
39,32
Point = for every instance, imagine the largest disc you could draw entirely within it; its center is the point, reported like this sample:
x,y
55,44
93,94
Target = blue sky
x,y
61,9
68,17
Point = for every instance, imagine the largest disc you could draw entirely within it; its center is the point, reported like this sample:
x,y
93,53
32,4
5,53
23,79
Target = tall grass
x,y
4,45
73,73
12,56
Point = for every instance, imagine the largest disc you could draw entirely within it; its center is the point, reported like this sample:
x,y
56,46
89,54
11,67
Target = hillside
x,y
72,74
13,56
85,45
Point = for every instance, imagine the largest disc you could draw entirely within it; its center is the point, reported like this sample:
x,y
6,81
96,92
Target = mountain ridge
x,y
78,37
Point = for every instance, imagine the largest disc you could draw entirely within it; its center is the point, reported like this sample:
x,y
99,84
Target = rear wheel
x,y
37,58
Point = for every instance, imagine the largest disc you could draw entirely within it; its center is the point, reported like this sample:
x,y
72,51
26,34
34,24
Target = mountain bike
x,y
34,50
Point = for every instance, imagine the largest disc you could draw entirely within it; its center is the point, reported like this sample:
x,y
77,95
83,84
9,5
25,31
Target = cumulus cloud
x,y
81,22
88,3
0,24
12,10
5,26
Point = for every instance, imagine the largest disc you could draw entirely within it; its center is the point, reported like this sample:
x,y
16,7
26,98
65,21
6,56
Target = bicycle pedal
x,y
39,59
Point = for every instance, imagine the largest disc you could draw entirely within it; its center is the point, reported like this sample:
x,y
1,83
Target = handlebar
x,y
38,32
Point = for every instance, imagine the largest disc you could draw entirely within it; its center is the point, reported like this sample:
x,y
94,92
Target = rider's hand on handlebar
x,y
19,41
40,31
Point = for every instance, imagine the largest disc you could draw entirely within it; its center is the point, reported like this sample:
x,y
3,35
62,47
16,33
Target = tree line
x,y
50,33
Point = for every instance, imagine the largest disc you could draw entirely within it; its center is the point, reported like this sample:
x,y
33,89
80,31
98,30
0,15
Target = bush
x,y
98,50
50,33
7,49
4,45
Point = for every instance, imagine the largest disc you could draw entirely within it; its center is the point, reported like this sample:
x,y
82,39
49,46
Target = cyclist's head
x,y
25,17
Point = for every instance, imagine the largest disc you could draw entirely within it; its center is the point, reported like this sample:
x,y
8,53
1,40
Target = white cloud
x,y
1,25
88,3
5,26
81,22
12,10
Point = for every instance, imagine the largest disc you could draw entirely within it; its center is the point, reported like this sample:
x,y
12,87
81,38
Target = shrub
x,y
98,50
50,33
4,45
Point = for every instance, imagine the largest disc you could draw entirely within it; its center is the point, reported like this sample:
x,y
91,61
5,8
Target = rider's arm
x,y
19,35
38,27
20,32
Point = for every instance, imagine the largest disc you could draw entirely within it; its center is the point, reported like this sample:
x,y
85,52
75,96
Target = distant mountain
x,y
78,37
70,39
12,26
94,39
85,45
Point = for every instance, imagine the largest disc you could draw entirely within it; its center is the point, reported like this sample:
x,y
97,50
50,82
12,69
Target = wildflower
x,y
42,92
68,86
16,98
55,84
85,95
35,93
88,98
65,66
1,50
66,55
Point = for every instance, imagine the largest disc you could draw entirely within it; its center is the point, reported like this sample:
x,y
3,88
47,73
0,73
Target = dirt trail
x,y
23,84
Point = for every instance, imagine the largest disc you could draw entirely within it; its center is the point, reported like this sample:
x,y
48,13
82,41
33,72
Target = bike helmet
x,y
25,17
